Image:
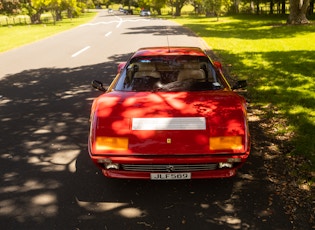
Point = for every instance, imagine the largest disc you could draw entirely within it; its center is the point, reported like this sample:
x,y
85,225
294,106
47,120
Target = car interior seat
x,y
191,71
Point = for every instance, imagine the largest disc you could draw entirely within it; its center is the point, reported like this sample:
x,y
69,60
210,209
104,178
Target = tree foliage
x,y
157,5
35,8
299,9
178,5
213,7
9,7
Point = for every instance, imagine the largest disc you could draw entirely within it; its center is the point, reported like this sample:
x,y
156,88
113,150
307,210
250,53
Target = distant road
x,y
108,35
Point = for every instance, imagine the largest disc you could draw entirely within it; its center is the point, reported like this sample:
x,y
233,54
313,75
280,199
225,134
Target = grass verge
x,y
278,61
17,35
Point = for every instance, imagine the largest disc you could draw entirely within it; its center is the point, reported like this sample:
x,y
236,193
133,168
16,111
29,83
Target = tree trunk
x,y
178,6
177,10
236,6
271,7
257,7
283,7
298,10
35,18
311,9
252,7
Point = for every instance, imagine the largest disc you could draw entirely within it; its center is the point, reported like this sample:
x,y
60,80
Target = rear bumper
x,y
221,173
235,161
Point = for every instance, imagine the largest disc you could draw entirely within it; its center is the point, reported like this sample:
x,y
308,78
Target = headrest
x,y
142,74
143,66
191,74
191,65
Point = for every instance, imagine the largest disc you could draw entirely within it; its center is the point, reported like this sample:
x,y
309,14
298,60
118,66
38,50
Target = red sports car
x,y
169,114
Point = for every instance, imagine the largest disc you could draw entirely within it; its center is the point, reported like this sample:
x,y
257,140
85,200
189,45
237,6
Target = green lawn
x,y
17,35
279,63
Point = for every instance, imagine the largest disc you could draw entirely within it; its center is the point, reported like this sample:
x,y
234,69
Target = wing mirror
x,y
98,85
218,65
240,84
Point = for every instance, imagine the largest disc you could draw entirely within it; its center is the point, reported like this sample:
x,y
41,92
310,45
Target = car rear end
x,y
201,140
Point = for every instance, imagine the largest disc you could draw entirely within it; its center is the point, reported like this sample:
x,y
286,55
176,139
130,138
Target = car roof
x,y
169,51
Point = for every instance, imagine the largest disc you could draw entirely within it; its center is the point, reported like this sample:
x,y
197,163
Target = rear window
x,y
169,73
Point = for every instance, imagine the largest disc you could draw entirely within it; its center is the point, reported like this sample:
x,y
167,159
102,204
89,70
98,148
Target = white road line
x,y
119,23
80,51
98,23
108,33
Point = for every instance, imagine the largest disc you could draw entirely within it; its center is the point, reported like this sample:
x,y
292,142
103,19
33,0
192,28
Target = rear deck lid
x,y
172,122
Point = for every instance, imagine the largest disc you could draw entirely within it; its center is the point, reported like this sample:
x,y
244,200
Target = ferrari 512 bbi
x,y
169,114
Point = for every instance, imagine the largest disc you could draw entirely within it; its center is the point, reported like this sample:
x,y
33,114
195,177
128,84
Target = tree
x,y
198,6
298,11
9,6
311,8
213,7
35,8
55,8
178,4
235,6
158,5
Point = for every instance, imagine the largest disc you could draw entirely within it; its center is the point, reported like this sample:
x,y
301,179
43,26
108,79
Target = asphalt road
x,y
47,178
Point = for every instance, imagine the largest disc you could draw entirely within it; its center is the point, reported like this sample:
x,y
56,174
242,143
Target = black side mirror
x,y
240,84
98,85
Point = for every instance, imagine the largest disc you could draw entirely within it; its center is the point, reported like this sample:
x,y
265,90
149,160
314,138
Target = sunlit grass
x,y
277,60
17,35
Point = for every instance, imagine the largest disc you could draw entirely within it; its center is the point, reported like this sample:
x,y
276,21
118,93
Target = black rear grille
x,y
168,168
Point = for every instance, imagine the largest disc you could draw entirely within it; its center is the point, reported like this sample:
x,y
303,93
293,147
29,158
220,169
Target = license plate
x,y
170,176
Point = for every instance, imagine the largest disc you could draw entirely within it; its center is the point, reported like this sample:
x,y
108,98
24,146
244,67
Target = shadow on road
x,y
49,182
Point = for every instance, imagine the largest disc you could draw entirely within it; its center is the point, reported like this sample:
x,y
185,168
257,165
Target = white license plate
x,y
170,176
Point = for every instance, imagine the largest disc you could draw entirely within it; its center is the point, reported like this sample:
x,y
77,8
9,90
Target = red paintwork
x,y
225,114
153,51
223,110
120,66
